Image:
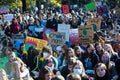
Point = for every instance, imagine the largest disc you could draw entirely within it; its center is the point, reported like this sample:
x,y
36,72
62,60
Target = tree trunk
x,y
24,5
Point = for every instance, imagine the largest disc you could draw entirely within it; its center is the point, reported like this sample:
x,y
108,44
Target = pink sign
x,y
74,37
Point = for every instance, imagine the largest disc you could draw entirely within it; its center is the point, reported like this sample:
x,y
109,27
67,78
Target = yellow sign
x,y
38,43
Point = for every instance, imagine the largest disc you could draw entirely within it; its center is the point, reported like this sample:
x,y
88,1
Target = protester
x,y
73,76
58,77
105,58
47,54
101,72
3,75
45,74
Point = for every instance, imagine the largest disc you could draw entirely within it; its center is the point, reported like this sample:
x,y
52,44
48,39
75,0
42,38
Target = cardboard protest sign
x,y
65,28
4,9
65,9
56,38
46,33
74,37
90,6
86,34
37,43
95,22
8,17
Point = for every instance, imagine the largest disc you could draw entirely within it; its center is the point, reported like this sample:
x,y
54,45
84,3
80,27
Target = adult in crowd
x,y
68,67
113,55
33,62
3,75
73,76
15,27
62,57
78,52
47,54
90,59
99,49
16,69
105,58
49,63
45,73
101,72
51,22
78,68
58,77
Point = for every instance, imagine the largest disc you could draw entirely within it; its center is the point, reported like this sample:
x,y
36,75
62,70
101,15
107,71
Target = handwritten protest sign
x,y
56,38
65,8
74,37
95,22
4,9
86,34
37,43
90,6
65,28
8,17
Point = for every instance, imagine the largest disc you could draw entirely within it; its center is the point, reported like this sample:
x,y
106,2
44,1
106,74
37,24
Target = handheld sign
x,y
74,37
65,28
86,34
56,38
38,43
4,9
65,8
95,22
90,6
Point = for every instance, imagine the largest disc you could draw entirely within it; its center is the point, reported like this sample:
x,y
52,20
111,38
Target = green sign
x,y
90,6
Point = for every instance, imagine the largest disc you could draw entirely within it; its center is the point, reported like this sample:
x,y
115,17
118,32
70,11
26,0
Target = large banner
x,y
65,28
38,43
95,22
56,38
65,9
4,9
74,37
86,34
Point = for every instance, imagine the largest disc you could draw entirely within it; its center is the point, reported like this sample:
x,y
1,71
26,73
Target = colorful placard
x,y
57,38
8,17
65,28
4,9
65,9
74,37
37,43
90,6
86,34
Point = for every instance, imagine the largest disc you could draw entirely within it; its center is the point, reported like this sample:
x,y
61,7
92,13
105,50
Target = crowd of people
x,y
94,61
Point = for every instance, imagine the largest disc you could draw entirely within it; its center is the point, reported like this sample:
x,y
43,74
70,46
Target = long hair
x,y
43,71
